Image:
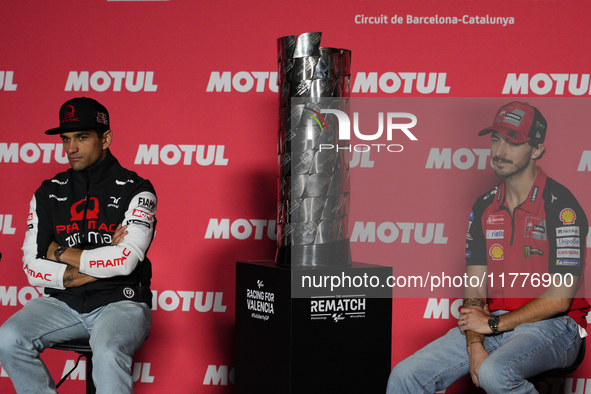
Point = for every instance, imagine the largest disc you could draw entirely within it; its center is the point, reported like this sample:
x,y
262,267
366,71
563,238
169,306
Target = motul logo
x,y
6,81
6,225
542,84
388,232
170,300
242,81
140,372
462,159
31,153
392,82
441,309
218,376
186,154
101,81
241,229
13,296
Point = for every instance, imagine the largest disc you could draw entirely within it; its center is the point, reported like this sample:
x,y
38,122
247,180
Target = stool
x,y
82,347
553,373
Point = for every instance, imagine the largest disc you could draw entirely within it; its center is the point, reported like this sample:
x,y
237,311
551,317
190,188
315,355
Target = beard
x,y
512,170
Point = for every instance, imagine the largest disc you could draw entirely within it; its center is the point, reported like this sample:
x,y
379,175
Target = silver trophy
x,y
313,181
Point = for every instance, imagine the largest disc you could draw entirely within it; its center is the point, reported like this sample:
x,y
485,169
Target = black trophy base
x,y
333,254
291,340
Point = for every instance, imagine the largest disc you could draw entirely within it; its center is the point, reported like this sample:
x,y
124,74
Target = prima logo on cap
x,y
69,114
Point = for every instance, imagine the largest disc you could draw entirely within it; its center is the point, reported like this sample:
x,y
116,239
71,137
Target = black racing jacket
x,y
82,209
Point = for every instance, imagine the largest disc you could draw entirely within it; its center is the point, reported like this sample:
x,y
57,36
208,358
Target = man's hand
x,y
51,250
475,319
476,354
119,235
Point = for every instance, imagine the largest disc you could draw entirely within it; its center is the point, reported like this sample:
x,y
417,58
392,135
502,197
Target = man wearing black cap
x,y
530,226
89,230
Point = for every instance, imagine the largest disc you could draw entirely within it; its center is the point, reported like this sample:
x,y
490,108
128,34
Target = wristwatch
x,y
493,323
58,252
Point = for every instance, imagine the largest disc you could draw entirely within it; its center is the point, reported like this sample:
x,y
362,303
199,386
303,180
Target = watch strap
x,y
58,252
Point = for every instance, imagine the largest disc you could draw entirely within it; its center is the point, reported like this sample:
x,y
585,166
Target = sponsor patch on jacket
x,y
534,194
142,214
495,234
495,219
567,231
568,242
535,228
497,252
575,253
568,216
567,262
528,251
146,203
140,222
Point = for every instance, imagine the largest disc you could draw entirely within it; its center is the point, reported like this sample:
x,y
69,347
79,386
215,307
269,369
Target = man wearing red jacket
x,y
526,237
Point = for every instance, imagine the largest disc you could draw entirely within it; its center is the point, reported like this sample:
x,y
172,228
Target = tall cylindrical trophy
x,y
313,180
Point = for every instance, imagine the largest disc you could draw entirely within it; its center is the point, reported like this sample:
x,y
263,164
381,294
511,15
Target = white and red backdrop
x,y
191,88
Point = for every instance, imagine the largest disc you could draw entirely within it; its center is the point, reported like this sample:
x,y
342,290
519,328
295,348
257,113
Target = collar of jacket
x,y
100,172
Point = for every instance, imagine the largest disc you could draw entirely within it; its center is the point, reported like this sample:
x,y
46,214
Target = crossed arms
x,y
129,244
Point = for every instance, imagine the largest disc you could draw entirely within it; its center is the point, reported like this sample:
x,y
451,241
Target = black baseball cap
x,y
82,113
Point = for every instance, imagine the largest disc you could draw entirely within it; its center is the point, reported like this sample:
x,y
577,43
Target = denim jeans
x,y
116,331
515,356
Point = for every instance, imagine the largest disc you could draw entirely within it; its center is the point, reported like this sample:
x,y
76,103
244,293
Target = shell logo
x,y
496,252
568,216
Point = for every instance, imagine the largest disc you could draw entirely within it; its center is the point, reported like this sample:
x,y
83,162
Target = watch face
x,y
493,323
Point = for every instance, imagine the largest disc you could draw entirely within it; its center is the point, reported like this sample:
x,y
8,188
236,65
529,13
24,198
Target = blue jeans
x,y
116,331
515,356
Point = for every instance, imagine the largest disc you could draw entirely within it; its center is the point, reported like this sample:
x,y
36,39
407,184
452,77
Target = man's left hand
x,y
474,319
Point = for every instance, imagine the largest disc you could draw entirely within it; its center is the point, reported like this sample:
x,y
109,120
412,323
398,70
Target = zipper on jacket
x,y
86,198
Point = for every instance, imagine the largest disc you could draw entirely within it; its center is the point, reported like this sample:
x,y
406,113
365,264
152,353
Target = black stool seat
x,y
75,345
553,373
82,347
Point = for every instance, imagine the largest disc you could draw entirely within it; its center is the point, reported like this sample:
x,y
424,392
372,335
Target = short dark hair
x,y
535,145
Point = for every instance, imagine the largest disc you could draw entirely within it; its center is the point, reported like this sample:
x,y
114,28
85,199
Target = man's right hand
x,y
476,354
119,235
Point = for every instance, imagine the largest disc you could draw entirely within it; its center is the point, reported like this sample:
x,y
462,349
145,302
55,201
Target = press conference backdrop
x,y
191,88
